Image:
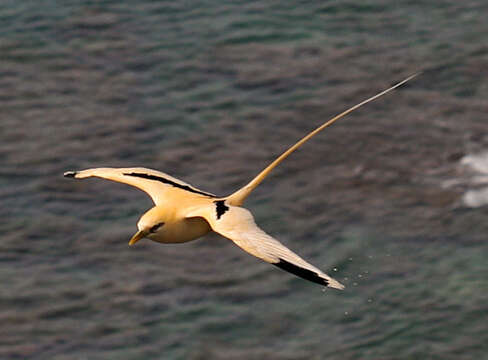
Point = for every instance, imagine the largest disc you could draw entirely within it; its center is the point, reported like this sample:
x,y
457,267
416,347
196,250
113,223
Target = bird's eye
x,y
156,227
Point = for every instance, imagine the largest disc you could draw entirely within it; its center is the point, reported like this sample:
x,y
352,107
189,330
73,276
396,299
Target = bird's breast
x,y
181,230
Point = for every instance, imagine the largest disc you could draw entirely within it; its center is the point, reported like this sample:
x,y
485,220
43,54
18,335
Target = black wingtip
x,y
70,174
301,272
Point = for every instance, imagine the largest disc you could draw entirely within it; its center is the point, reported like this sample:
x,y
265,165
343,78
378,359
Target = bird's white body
x,y
183,213
180,230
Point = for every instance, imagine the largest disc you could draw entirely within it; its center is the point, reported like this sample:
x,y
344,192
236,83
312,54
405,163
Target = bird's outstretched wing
x,y
154,183
237,224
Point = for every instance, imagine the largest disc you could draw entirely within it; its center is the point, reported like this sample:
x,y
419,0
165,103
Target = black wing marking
x,y
221,208
169,182
301,272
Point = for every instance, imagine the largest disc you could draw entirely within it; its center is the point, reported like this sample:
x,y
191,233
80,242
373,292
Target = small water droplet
x,y
346,278
335,269
360,276
346,313
370,300
355,284
350,259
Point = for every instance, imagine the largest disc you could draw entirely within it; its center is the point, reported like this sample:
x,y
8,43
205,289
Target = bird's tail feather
x,y
238,197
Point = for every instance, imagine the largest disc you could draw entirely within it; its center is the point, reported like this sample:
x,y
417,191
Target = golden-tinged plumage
x,y
183,212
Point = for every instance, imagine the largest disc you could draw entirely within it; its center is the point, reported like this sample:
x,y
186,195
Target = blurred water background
x,y
211,92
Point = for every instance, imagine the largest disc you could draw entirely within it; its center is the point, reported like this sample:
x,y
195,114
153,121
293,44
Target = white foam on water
x,y
477,164
476,198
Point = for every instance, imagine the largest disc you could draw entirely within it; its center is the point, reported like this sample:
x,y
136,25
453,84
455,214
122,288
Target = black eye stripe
x,y
156,227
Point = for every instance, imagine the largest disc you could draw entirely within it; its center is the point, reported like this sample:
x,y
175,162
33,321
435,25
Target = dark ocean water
x,y
211,92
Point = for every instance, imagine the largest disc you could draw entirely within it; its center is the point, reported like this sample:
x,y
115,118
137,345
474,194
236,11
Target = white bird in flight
x,y
183,212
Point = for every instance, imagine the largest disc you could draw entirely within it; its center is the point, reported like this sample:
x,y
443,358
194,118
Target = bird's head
x,y
149,224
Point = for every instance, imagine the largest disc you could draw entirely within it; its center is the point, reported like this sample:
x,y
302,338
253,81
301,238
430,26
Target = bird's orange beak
x,y
137,236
